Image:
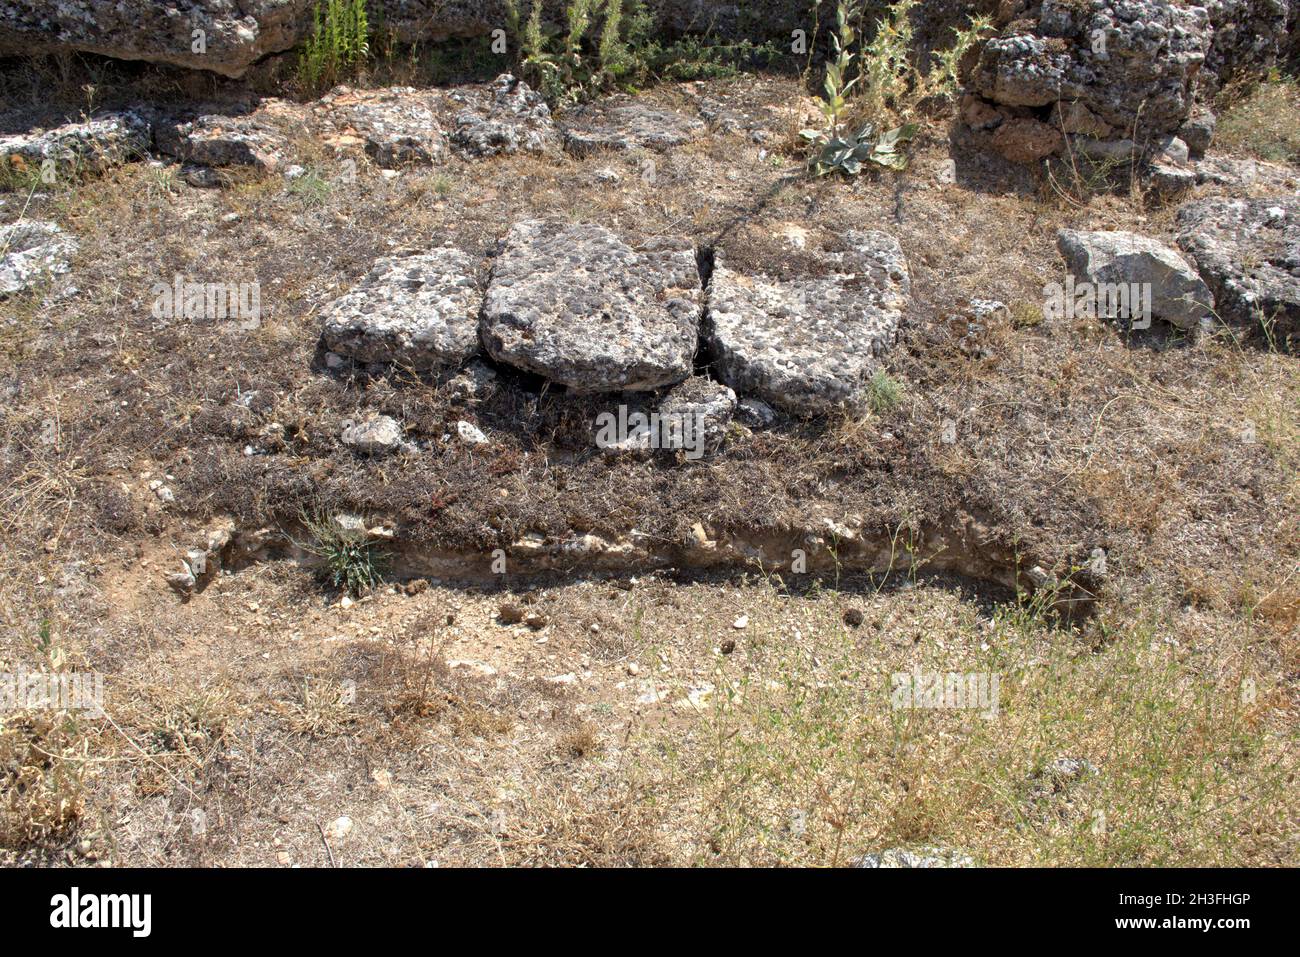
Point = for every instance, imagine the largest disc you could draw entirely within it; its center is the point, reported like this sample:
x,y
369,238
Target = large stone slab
x,y
809,345
106,139
1178,295
259,138
506,117
397,126
584,308
621,124
1248,251
30,253
420,311
232,37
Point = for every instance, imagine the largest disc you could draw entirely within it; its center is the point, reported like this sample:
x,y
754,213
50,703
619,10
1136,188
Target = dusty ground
x,y
638,724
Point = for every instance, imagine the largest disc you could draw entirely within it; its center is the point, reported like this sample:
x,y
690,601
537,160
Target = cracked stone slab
x,y
259,139
506,117
1248,251
105,140
31,252
622,124
580,306
809,345
1178,294
420,311
397,126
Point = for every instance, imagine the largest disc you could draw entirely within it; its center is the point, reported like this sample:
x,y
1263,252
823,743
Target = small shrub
x,y
610,44
884,393
888,85
352,561
312,188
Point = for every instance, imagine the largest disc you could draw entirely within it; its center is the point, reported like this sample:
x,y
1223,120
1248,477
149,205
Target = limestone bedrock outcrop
x,y
808,346
420,311
104,140
620,123
1178,295
228,37
1248,251
217,35
259,138
581,306
1095,69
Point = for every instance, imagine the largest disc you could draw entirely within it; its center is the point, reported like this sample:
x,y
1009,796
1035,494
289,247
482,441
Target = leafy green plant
x,y
893,82
352,560
887,84
847,153
835,150
339,44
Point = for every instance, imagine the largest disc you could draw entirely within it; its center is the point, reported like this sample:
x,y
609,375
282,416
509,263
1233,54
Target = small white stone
x,y
741,622
340,828
470,433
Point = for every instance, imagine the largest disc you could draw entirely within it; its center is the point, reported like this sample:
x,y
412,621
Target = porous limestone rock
x,y
586,309
396,126
31,252
809,345
506,117
420,311
1248,251
257,139
621,123
1178,295
104,140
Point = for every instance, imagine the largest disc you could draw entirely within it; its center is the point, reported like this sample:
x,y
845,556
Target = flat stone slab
x,y
622,124
1116,258
808,346
582,307
259,139
506,117
105,140
420,311
397,126
1248,251
31,252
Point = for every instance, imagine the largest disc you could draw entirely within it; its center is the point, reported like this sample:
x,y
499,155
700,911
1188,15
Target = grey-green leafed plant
x,y
836,149
849,153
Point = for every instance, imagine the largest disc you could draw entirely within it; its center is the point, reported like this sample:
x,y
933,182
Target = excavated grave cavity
x,y
819,552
